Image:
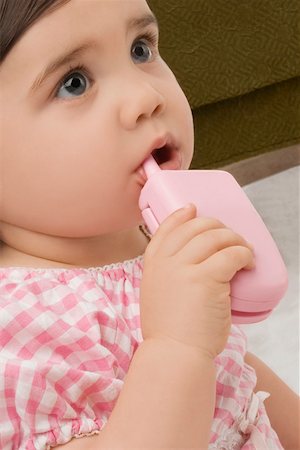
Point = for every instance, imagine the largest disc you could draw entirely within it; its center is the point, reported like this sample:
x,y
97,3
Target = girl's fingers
x,y
224,264
210,242
178,217
194,239
181,227
188,231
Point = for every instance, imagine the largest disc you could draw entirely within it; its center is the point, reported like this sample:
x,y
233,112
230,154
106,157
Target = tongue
x,y
150,166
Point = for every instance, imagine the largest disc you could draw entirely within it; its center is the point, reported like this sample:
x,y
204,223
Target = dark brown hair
x,y
16,16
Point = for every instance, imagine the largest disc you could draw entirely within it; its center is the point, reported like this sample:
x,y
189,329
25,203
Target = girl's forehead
x,y
75,22
80,14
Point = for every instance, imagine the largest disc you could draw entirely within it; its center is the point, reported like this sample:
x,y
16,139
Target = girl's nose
x,y
139,100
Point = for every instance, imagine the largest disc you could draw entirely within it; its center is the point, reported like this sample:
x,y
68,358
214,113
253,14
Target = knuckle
x,y
217,223
174,219
232,235
243,254
204,223
245,251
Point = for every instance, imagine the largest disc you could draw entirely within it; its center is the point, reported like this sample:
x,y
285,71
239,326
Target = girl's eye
x,y
73,84
141,52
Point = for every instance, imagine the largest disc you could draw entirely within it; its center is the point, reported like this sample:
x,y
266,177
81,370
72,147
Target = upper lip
x,y
165,140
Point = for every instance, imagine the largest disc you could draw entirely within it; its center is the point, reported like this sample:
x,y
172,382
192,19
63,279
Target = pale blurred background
x,y
276,340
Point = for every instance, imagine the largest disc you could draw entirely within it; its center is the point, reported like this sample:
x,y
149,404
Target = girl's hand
x,y
185,290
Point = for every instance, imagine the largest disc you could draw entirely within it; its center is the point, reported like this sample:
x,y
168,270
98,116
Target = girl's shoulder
x,y
67,338
40,303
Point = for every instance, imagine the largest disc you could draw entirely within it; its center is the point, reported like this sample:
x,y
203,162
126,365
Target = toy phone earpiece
x,y
215,193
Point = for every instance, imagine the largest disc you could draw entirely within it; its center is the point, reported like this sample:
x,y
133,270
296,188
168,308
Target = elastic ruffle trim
x,y
76,428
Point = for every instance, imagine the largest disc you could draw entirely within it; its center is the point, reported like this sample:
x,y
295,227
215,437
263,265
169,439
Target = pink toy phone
x,y
216,193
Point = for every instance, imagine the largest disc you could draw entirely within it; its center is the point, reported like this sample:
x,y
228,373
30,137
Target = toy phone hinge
x,y
161,194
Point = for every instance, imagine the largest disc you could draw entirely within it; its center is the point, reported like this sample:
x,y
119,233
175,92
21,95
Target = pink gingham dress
x,y
67,337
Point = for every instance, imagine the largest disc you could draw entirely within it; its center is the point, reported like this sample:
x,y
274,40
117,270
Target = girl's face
x,y
72,143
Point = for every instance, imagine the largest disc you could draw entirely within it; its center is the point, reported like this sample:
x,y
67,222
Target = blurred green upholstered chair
x,y
238,62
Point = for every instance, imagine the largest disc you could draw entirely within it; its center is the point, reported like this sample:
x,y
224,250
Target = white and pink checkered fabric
x,y
66,340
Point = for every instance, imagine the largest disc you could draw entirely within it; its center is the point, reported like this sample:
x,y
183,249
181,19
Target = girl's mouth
x,y
162,155
167,157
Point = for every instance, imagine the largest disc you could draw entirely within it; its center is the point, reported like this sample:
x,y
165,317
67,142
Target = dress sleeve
x,y
64,353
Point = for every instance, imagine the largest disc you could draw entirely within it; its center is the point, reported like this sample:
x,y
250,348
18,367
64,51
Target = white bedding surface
x,y
276,339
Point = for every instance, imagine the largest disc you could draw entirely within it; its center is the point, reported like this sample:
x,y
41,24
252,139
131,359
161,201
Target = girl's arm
x,y
168,397
282,406
167,402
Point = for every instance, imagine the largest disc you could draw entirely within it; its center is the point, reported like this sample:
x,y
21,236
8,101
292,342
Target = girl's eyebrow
x,y
59,62
137,23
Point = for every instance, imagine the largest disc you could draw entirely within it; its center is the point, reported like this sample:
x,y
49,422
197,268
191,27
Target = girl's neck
x,y
51,251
